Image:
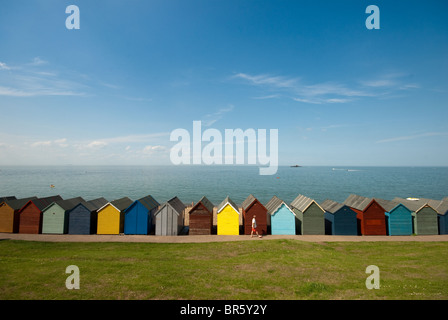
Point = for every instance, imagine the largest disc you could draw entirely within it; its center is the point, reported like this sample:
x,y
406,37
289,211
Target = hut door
x,y
141,221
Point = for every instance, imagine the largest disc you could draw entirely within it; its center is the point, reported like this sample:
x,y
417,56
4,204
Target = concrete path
x,y
208,238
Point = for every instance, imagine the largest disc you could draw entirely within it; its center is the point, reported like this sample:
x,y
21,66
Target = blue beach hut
x,y
340,219
139,216
398,218
82,219
283,219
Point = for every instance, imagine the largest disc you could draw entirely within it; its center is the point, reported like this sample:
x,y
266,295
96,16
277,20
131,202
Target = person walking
x,y
254,228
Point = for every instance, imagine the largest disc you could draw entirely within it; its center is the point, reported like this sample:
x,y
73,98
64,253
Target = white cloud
x,y
325,92
97,144
41,144
38,61
412,137
34,79
58,143
211,118
4,66
151,149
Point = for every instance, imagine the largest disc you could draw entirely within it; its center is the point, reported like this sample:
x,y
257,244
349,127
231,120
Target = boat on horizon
x,y
295,166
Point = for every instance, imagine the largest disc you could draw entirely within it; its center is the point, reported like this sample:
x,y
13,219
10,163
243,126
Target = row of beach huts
x,y
357,215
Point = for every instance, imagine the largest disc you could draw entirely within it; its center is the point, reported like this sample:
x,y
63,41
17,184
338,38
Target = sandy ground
x,y
208,238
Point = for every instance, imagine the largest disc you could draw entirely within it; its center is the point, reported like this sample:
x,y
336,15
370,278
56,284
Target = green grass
x,y
270,269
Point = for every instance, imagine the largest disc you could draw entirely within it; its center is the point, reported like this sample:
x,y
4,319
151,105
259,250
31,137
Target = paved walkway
x,y
207,238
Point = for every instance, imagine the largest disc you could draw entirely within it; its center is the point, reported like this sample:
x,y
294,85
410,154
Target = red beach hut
x,y
30,216
369,213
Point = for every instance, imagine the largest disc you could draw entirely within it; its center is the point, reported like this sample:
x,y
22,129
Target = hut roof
x,y
122,203
415,205
249,200
302,203
42,203
149,202
357,202
7,198
95,204
274,204
176,204
387,205
207,204
19,203
331,205
443,207
67,204
229,201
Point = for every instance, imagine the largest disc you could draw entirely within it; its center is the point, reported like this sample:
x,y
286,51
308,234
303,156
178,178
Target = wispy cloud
x,y
325,92
4,66
210,119
412,137
48,143
298,90
37,79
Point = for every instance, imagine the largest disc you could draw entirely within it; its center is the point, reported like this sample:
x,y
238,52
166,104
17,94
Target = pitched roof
x,y
248,202
207,204
122,203
95,204
415,205
67,204
177,205
7,198
443,207
225,201
331,205
357,202
18,203
42,203
149,202
273,205
302,203
387,205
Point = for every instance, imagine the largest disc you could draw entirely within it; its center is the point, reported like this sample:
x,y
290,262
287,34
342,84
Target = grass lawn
x,y
271,269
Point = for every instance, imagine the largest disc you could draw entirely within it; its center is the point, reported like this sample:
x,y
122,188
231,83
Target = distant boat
x,y
295,166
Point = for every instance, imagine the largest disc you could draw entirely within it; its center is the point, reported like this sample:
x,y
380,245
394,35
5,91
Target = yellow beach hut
x,y
111,216
228,218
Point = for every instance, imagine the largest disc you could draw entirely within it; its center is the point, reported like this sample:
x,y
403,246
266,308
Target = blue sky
x,y
112,91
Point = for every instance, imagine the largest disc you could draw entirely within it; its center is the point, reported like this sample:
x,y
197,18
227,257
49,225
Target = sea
x,y
190,183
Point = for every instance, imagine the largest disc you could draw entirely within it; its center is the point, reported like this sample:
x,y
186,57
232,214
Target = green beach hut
x,y
424,215
55,216
310,216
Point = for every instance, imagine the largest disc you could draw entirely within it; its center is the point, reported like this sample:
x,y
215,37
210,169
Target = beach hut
x,y
425,217
169,219
398,217
282,218
82,219
252,207
201,217
110,217
425,221
310,216
442,210
55,216
9,214
138,217
371,216
228,218
340,219
30,215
